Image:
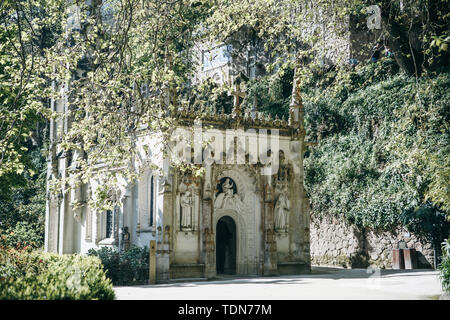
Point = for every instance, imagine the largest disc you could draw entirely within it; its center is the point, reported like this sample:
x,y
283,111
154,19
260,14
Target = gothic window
x,y
105,225
109,224
152,202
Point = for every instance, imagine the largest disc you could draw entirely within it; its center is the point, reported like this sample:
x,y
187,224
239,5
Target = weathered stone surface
x,y
332,241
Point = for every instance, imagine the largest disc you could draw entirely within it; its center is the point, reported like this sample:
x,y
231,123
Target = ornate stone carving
x,y
282,204
125,238
227,197
188,202
187,205
282,207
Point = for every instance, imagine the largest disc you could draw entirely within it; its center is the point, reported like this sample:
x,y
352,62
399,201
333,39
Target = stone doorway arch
x,y
226,246
241,238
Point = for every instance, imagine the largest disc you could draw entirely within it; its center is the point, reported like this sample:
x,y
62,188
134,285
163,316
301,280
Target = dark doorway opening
x,y
226,246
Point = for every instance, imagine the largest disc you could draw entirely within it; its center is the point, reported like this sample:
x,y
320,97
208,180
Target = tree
x,y
418,33
117,73
27,28
416,30
118,67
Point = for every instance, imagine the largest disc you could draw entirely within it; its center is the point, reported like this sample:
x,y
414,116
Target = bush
x,y
444,266
23,234
33,275
126,267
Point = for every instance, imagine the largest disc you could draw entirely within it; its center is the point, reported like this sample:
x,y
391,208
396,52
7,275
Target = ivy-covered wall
x,y
380,161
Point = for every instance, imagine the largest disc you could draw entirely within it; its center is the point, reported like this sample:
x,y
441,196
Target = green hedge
x,y
444,266
127,267
33,275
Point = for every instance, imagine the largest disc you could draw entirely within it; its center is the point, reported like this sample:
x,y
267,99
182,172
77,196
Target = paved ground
x,y
322,283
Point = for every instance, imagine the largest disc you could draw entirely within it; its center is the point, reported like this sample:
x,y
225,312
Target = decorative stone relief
x,y
282,204
187,206
227,197
188,203
281,213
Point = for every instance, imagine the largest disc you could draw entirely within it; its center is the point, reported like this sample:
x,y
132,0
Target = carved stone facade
x,y
243,217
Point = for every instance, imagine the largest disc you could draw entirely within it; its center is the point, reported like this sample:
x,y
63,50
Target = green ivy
x,y
382,156
383,151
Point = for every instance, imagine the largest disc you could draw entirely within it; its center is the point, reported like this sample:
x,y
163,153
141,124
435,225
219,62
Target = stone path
x,y
322,283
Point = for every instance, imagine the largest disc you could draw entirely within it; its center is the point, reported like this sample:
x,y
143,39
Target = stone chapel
x,y
235,219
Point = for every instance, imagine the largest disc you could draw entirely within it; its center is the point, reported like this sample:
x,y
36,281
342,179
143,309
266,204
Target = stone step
x,y
181,280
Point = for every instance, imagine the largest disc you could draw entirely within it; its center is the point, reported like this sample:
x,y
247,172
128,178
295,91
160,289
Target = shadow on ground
x,y
319,273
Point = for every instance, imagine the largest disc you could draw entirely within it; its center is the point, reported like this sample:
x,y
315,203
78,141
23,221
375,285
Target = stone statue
x,y
125,238
282,212
187,203
227,198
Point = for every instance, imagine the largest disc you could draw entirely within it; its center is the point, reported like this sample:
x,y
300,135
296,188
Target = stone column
x,y
64,223
209,257
51,209
51,221
164,232
142,203
270,249
299,257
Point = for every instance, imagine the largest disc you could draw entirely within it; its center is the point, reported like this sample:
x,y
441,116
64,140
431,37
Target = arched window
x,y
109,224
105,225
151,204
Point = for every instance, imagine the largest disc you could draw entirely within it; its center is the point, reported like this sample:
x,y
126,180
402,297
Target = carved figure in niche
x,y
125,238
282,207
186,203
227,198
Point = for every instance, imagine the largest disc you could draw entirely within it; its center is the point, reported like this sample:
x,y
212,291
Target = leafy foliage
x,y
27,28
26,275
271,94
118,47
444,266
22,208
23,235
382,157
382,152
126,64
129,266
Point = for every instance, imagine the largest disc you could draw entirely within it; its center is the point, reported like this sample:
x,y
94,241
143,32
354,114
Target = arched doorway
x,y
226,246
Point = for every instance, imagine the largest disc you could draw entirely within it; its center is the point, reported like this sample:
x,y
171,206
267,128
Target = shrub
x,y
444,266
26,275
23,234
124,267
110,260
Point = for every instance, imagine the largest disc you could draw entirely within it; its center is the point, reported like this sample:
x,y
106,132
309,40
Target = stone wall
x,y
336,243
